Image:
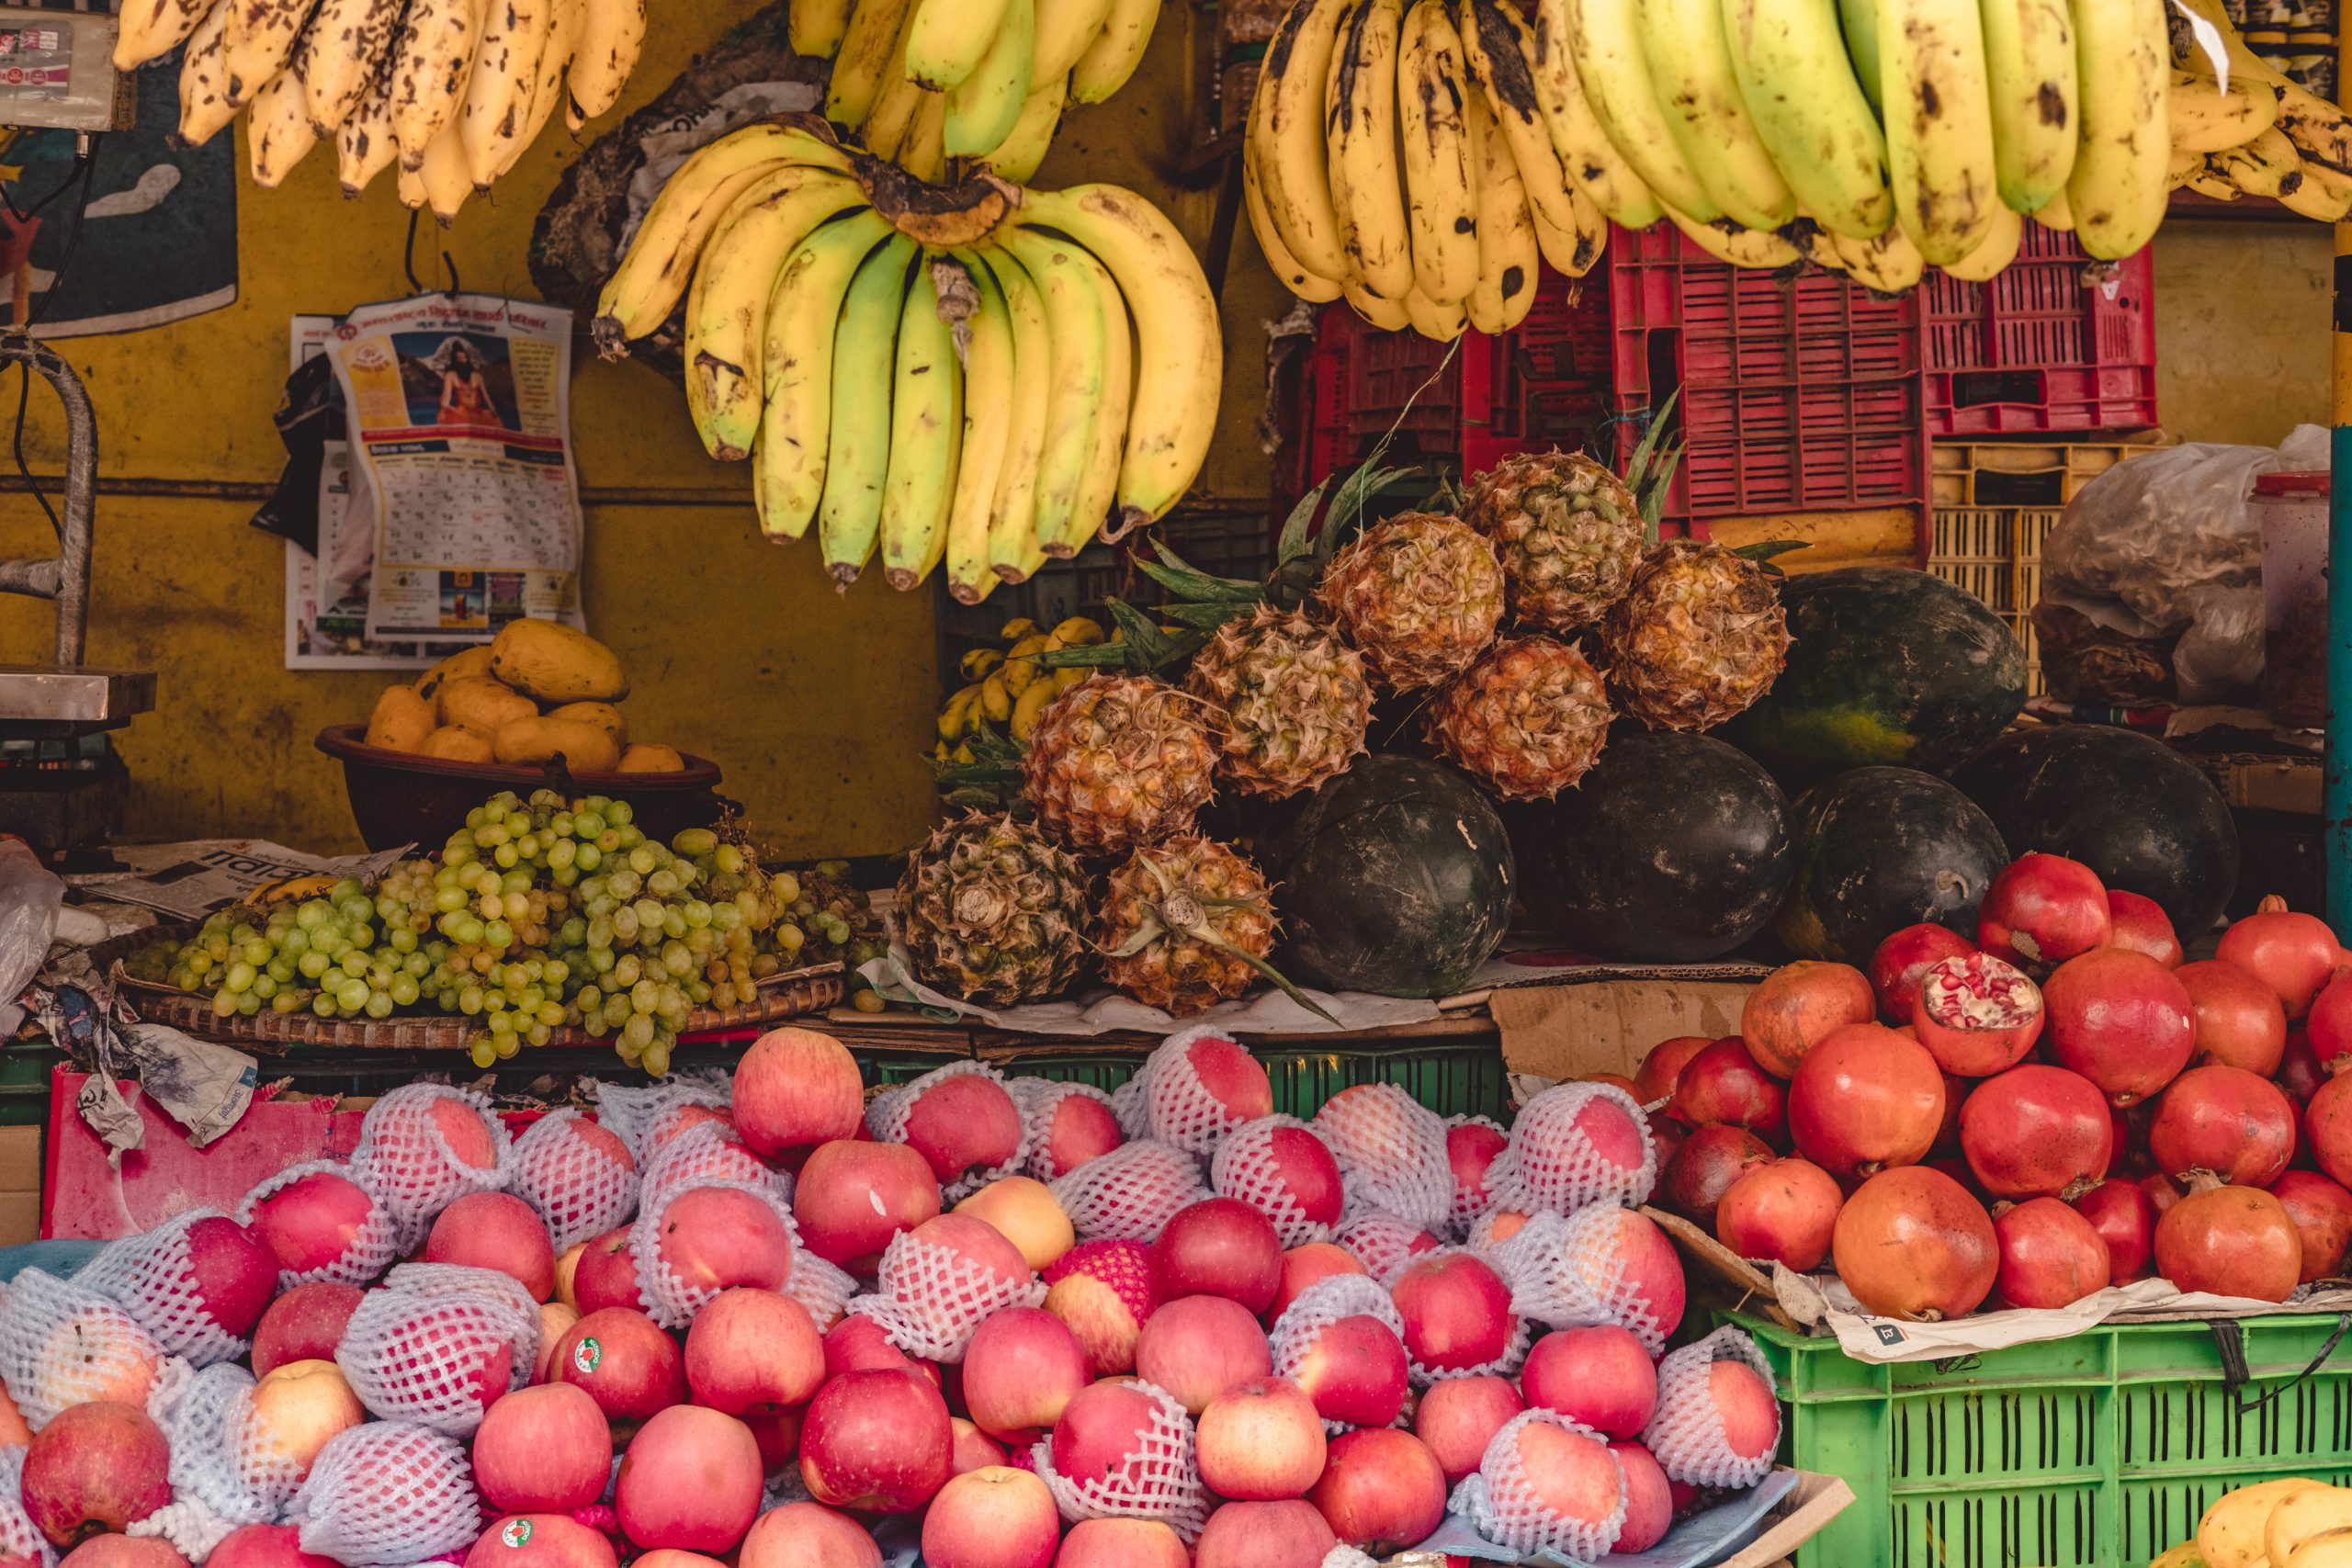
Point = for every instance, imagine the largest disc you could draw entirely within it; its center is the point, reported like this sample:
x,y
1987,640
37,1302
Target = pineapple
x,y
1420,594
1292,698
1700,637
1570,534
1528,720
991,910
1186,925
1118,761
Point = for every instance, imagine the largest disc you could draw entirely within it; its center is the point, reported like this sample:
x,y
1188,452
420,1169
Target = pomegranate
x,y
2321,1210
1662,1069
1948,1136
2225,1120
2239,1021
2293,954
2300,1072
2036,1132
2050,1256
1796,1005
2229,1241
1783,1211
1722,1086
2329,1021
2163,1192
2042,910
1915,1244
2125,1220
1903,958
2121,1020
1977,1014
1865,1099
2140,924
2327,1120
1702,1170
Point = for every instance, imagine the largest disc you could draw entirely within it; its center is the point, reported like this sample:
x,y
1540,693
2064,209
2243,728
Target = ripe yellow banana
x,y
985,106
1585,153
1285,266
2321,132
1810,111
150,29
1857,19
2031,68
434,62
1081,390
1095,506
2207,181
364,144
2057,213
1438,322
262,34
1439,171
350,40
922,150
1758,249
1388,315
857,436
803,311
2117,190
1689,58
2266,166
612,36
1604,38
205,109
498,99
1939,123
277,127
549,92
444,176
1572,251
868,50
2000,248
2207,119
1179,348
1361,149
2308,196
926,435
1507,250
1886,263
894,106
1286,123
1116,50
1498,53
1013,553
654,275
727,310
1024,146
1065,30
814,28
947,38
990,381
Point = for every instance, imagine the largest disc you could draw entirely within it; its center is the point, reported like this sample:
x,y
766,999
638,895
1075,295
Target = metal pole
x,y
2336,797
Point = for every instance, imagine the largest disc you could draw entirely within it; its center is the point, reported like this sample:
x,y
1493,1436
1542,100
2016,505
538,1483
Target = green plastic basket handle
x,y
2228,1339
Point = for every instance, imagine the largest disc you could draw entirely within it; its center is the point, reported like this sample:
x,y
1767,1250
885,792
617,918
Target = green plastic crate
x,y
2097,1451
23,1084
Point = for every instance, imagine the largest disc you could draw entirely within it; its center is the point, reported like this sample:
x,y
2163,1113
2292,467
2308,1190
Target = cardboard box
x,y
1576,1028
20,1173
1802,1515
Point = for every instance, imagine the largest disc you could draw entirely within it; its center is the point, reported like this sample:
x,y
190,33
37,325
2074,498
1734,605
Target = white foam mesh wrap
x,y
1346,1556
1127,1102
1316,1308
63,1344
671,1299
1550,1164
574,1185
18,1536
886,1113
222,1475
1391,1150
1469,1204
1568,1271
708,1151
1177,1106
153,1276
1514,1352
407,1159
1382,1243
1244,1168
1131,1193
929,1299
389,1494
638,1115
1040,1100
824,1289
1501,1501
1159,1479
1686,1432
373,1248
415,1349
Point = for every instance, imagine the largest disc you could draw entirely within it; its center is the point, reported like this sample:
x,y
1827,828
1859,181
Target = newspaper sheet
x,y
191,880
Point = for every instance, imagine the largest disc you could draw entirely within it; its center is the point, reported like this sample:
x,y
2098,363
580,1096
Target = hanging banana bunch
x,y
931,375
450,92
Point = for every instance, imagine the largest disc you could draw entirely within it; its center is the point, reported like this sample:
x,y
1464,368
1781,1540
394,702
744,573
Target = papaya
x,y
549,661
2303,1517
603,716
584,747
2230,1535
457,667
456,743
402,720
484,703
645,759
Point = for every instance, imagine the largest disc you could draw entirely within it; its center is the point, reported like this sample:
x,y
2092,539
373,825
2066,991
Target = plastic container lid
x,y
2302,484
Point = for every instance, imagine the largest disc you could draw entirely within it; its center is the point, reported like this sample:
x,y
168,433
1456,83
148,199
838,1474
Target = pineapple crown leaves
x,y
1181,913
1140,647
1763,551
1650,473
991,780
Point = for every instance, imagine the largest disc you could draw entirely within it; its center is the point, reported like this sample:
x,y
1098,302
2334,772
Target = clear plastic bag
x,y
29,899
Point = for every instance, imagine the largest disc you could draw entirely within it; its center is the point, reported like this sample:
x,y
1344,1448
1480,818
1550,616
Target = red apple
x,y
962,1124
496,1230
1457,1418
124,1551
543,1450
313,1220
754,1350
690,1478
1103,1291
1020,1368
299,1409
996,1517
1260,1441
877,1442
605,1275
861,1345
1456,1310
1750,1415
1598,1376
1649,1499
1381,1491
264,1546
671,1557
1218,1247
796,1088
1470,1148
1303,1266
1571,1473
778,1434
714,1239
809,1535
1265,1534
1082,1129
1301,1163
1355,1373
1099,1429
972,1448
852,1197
540,1541
306,1324
1232,1076
628,1365
95,1468
1025,1210
235,1272
1197,1347
1120,1543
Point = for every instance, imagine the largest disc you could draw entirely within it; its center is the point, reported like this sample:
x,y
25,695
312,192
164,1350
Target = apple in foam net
x,y
796,1088
1083,1128
809,1535
124,1551
1470,1148
625,1362
109,1364
1232,1076
605,1275
1122,1543
1197,1347
1570,1474
1025,1212
714,1239
313,1220
1099,1429
996,1517
1218,1247
877,1442
543,1450
690,1478
540,1541
1355,1373
854,1196
95,1468
306,1324
297,1408
1456,1310
1458,1418
1260,1441
1310,1172
1381,1491
1265,1534
496,1230
1600,1376
235,1273
962,1125
1022,1367
752,1350
1303,1266
1750,1415
264,1546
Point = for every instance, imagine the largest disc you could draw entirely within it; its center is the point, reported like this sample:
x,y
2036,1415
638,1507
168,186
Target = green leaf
x,y
1297,542
1094,656
1765,549
1197,587
1206,616
1661,420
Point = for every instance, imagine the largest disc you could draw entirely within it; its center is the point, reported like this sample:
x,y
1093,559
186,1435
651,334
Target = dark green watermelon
x,y
2131,808
1674,849
1887,667
1396,878
1879,849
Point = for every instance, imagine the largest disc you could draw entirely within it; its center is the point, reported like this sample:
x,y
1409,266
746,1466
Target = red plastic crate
x,y
2039,348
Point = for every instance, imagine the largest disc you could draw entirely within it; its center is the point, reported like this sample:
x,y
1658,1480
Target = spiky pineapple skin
x,y
1176,974
993,910
1420,594
1292,698
1119,760
1528,720
1701,635
1569,533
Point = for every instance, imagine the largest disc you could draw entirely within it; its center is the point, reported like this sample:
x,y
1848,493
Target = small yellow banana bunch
x,y
452,91
937,374
2262,135
1009,688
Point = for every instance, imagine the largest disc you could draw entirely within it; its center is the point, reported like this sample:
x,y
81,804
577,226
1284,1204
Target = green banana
x,y
796,365
857,440
926,435
1811,112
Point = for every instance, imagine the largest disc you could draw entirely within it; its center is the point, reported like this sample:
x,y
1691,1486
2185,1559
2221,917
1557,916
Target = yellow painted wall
x,y
2242,328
